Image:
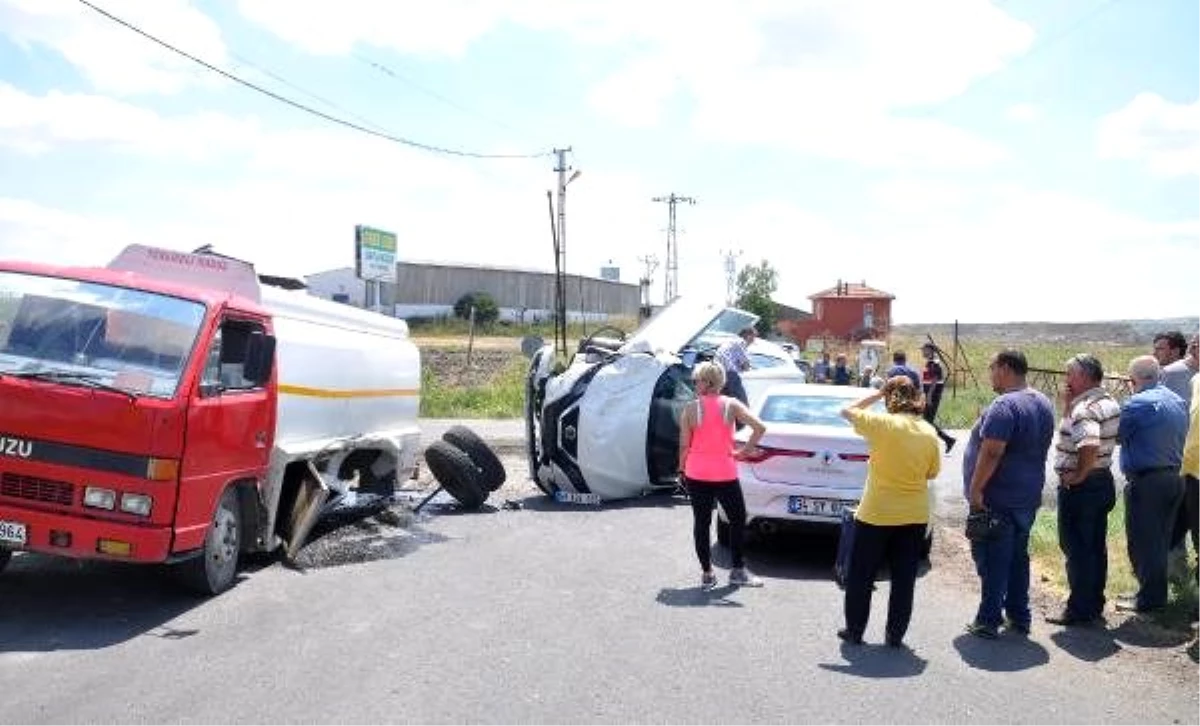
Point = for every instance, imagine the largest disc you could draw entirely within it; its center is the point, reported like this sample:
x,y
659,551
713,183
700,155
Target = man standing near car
x,y
732,356
1086,490
1004,470
1151,433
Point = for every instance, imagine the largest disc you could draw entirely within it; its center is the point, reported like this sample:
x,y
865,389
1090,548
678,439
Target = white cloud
x,y
811,75
1023,113
113,58
38,124
1163,135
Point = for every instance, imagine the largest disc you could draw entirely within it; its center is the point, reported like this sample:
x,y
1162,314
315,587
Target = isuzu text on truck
x,y
170,409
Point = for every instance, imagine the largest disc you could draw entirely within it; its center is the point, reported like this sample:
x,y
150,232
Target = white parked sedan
x,y
812,463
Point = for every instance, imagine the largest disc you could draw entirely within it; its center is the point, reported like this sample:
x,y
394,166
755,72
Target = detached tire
x,y
213,572
491,471
457,474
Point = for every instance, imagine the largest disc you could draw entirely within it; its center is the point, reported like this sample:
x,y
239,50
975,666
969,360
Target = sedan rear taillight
x,y
766,452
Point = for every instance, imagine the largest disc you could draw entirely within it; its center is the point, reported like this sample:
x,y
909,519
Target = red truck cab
x,y
137,413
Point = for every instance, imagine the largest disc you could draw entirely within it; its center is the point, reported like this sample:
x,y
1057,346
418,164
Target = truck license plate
x,y
12,532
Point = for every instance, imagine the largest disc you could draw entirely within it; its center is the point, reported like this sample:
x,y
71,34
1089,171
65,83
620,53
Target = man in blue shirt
x,y
1004,470
1153,427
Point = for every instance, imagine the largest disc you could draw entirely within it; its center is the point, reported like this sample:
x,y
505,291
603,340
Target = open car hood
x,y
684,323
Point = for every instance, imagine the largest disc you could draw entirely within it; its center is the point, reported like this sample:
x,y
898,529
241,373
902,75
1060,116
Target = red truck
x,y
170,408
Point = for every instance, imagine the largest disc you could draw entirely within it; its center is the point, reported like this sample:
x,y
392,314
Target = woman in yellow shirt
x,y
894,512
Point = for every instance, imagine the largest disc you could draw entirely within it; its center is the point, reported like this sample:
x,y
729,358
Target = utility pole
x,y
563,180
651,264
672,273
730,273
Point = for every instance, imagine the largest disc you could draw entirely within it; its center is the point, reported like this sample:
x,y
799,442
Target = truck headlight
x,y
138,504
99,498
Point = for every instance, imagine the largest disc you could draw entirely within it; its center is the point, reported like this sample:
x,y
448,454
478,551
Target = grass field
x,y
962,402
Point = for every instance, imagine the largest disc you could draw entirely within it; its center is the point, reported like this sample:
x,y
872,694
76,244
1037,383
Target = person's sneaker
x,y
1013,625
979,630
1129,604
708,580
740,577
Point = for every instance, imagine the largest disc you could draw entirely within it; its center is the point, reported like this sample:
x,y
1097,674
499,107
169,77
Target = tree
x,y
755,285
486,310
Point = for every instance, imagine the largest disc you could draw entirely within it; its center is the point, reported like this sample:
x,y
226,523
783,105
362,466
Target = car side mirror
x,y
260,357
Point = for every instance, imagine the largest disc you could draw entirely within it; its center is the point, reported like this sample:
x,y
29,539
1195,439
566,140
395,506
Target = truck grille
x,y
41,490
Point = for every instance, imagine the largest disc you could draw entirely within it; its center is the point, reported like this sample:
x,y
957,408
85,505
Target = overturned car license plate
x,y
818,507
13,532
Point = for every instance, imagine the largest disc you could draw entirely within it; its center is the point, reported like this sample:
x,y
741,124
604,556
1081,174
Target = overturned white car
x,y
608,425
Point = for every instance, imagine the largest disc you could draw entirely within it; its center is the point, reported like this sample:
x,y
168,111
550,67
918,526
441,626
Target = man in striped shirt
x,y
731,355
1086,489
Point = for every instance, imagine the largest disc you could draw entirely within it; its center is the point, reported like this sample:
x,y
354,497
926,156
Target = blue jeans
x,y
1002,563
1083,537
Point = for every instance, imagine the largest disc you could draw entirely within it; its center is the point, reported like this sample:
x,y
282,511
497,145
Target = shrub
x,y
486,310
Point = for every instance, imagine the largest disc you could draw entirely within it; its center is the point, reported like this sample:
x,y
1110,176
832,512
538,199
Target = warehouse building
x,y
429,290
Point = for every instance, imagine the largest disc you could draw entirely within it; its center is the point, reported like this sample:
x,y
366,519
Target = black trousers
x,y
703,495
899,546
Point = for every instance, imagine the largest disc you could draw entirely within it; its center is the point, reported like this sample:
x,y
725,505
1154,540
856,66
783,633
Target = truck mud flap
x,y
310,502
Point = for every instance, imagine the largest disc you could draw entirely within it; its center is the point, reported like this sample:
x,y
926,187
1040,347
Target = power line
x,y
387,71
1051,40
308,109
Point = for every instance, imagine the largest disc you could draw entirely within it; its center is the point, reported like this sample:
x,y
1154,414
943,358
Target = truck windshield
x,y
83,332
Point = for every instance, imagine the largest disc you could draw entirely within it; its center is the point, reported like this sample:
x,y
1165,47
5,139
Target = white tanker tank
x,y
348,390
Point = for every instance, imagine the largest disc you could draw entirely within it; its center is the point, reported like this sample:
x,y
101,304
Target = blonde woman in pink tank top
x,y
708,465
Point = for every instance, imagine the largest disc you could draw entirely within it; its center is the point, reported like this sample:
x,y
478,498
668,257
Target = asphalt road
x,y
546,613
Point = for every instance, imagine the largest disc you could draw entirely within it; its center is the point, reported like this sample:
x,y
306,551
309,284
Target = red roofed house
x,y
849,311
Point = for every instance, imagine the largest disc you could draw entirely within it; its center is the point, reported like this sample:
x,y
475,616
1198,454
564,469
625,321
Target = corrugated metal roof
x,y
852,289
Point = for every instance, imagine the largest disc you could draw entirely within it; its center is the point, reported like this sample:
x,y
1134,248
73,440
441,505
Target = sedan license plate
x,y
12,532
816,507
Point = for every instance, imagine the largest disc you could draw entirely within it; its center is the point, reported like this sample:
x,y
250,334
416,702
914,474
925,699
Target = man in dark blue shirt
x,y
1004,470
1154,423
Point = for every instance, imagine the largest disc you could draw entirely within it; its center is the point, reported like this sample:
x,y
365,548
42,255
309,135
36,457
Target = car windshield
x,y
89,333
809,410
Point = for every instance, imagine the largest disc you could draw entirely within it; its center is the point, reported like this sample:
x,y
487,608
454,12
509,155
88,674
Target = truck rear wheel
x,y
491,471
213,572
456,473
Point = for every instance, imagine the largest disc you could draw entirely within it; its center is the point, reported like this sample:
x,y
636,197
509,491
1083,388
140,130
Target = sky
x,y
1011,160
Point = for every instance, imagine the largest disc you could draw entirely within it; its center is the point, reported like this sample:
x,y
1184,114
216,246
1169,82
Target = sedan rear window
x,y
809,410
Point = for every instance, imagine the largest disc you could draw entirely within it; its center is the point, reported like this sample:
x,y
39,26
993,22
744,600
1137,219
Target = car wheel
x,y
457,474
492,473
213,572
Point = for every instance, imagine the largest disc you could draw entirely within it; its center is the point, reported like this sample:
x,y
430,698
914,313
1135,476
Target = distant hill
x,y
1112,332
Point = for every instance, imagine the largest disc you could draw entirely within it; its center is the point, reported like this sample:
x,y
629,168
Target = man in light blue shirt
x,y
1153,428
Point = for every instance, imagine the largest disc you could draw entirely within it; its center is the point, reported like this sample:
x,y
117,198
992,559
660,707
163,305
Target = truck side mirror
x,y
260,357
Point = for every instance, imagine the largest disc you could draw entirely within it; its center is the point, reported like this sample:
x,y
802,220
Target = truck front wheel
x,y
214,570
